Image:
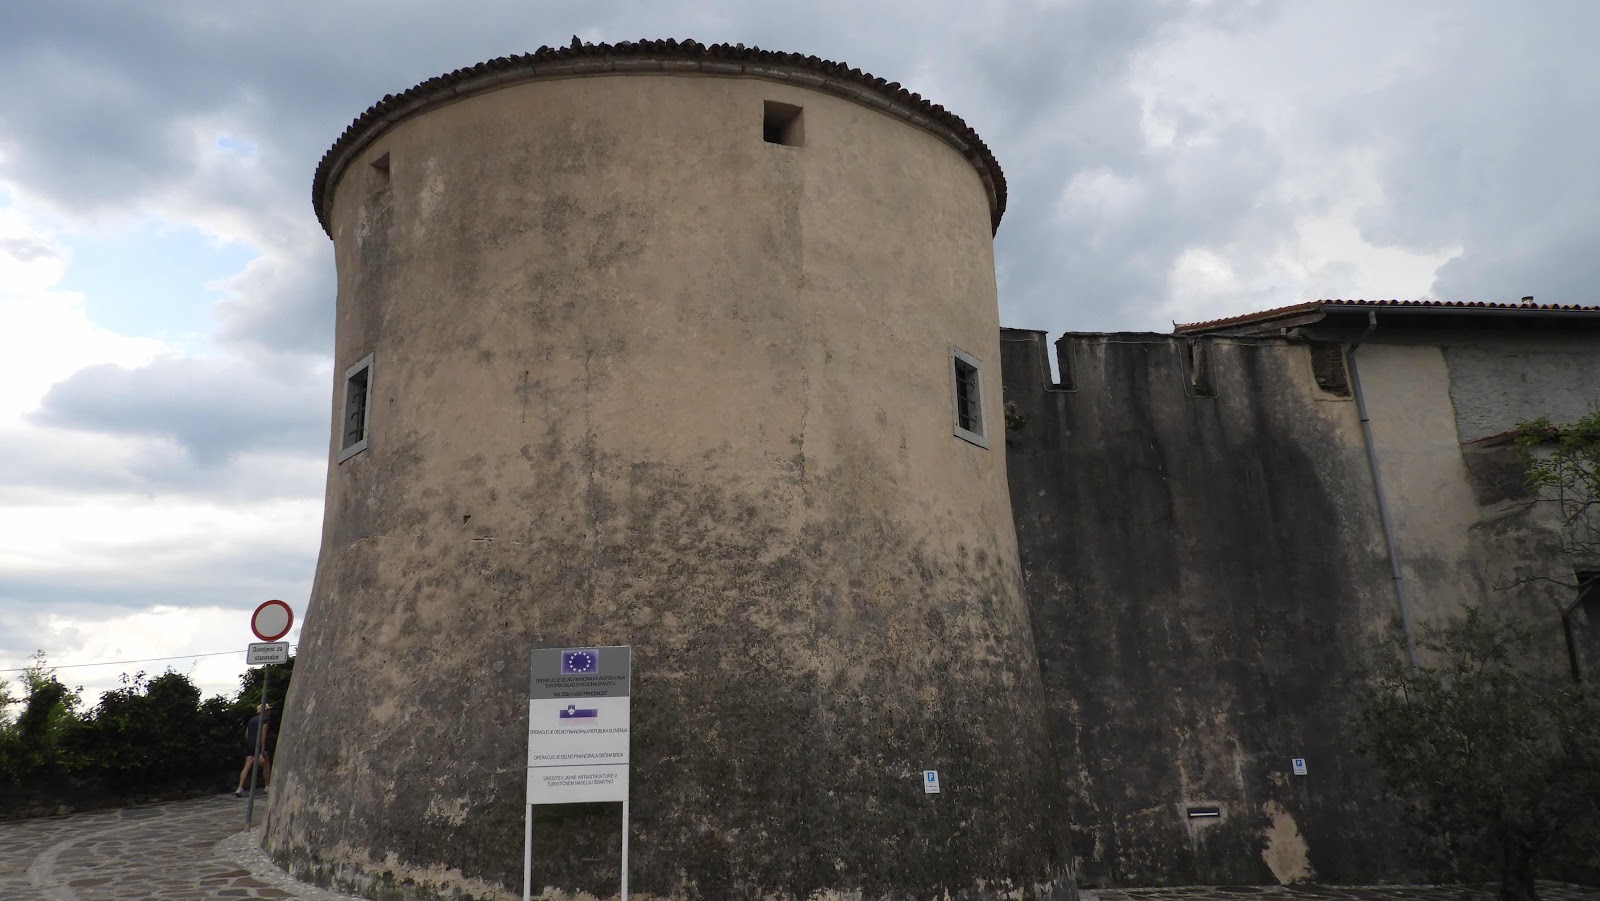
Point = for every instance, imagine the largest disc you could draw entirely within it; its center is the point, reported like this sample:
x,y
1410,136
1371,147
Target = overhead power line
x,y
51,666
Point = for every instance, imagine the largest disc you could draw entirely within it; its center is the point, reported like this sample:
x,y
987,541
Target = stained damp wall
x,y
641,377
1206,567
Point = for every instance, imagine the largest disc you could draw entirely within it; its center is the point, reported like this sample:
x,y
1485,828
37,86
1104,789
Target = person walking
x,y
256,734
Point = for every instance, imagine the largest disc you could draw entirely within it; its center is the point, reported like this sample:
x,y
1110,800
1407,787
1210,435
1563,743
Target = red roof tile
x,y
629,56
1317,305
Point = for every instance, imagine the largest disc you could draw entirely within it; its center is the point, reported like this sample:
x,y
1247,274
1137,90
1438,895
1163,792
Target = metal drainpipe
x,y
1377,487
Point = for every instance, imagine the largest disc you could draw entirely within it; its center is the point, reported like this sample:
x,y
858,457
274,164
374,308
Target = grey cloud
x,y
282,302
214,409
102,108
26,250
1489,143
228,576
1046,87
46,466
1068,266
246,572
291,77
106,95
79,114
1558,268
108,98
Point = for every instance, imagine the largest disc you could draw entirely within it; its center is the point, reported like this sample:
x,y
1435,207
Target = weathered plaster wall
x,y
1202,572
1431,504
1469,531
642,378
1499,380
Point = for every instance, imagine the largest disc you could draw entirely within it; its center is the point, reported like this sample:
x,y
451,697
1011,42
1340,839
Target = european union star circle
x,y
580,662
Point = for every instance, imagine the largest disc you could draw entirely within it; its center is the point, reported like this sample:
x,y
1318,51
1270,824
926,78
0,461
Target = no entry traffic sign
x,y
272,620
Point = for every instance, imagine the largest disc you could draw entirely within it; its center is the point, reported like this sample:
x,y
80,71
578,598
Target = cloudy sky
x,y
166,293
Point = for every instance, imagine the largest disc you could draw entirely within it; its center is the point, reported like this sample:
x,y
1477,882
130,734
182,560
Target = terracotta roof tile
x,y
627,56
1316,305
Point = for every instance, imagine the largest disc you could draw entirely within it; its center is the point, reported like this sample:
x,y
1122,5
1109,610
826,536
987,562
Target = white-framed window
x,y
353,418
966,397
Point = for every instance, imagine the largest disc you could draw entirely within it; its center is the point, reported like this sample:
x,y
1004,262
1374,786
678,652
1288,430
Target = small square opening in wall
x,y
380,169
781,123
1328,368
966,396
353,420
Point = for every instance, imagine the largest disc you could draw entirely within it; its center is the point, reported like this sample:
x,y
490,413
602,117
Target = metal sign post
x,y
270,622
578,736
255,761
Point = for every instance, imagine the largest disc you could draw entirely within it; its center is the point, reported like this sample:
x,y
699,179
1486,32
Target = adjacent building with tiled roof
x,y
1427,313
1218,525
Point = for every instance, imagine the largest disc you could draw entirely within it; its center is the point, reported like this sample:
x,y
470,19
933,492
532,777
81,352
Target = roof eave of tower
x,y
627,57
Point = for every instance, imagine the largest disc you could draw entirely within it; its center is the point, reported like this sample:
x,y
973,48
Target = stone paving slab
x,y
199,850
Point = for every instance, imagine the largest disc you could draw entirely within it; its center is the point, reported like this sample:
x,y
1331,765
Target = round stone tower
x,y
693,349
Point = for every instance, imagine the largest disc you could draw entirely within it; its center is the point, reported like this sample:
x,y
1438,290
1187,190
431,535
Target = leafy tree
x,y
151,735
1564,467
221,734
1498,764
1563,470
37,741
6,700
143,735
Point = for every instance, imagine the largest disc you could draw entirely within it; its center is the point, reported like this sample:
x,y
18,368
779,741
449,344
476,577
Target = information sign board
x,y
1298,764
578,725
930,782
261,652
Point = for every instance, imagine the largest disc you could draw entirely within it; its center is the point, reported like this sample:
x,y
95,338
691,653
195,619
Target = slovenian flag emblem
x,y
573,712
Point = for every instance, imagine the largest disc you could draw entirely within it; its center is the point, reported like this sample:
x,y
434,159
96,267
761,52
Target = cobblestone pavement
x,y
183,851
1548,891
199,850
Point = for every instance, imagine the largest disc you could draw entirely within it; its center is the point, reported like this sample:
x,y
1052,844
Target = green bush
x,y
37,743
1498,763
150,736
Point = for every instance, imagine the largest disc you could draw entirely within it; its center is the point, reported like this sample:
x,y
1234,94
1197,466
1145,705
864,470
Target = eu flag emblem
x,y
580,662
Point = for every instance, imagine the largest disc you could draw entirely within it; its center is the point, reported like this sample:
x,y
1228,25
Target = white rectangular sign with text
x,y
579,725
262,652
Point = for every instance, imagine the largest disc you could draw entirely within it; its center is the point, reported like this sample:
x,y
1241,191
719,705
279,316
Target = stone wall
x,y
1204,565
